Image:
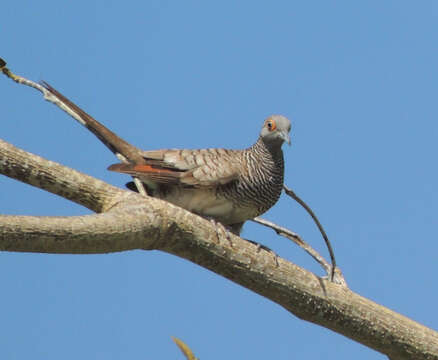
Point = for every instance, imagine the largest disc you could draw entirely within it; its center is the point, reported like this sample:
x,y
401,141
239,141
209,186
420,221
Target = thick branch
x,y
70,184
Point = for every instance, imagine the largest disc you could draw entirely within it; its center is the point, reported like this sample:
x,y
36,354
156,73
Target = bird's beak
x,y
285,136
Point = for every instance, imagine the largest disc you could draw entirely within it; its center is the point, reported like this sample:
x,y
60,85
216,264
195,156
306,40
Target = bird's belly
x,y
207,203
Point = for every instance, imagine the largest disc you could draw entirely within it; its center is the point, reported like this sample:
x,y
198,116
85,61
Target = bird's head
x,y
276,130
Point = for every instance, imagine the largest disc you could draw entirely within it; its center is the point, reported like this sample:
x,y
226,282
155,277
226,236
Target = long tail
x,y
113,142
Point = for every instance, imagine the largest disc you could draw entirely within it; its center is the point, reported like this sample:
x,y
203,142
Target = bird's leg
x,y
220,230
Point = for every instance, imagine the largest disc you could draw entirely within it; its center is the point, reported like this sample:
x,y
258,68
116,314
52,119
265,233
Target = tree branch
x,y
334,272
70,184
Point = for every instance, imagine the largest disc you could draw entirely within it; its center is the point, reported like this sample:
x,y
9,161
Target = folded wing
x,y
197,168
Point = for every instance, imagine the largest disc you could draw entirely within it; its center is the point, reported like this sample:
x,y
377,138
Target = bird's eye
x,y
270,124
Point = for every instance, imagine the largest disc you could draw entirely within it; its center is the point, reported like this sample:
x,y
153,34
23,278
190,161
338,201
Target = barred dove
x,y
228,186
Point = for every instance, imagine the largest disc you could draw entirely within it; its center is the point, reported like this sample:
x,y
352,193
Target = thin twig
x,y
296,239
46,93
292,194
337,277
63,103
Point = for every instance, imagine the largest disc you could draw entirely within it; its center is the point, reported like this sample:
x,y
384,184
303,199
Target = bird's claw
x,y
221,230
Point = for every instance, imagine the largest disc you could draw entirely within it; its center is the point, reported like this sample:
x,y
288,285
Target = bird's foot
x,y
222,231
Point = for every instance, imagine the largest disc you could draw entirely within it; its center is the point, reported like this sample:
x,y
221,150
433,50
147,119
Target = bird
x,y
227,186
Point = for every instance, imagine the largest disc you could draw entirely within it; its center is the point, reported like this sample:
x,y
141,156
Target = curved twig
x,y
296,239
294,196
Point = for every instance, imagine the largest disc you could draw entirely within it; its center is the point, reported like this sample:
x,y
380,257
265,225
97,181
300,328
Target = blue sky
x,y
357,79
